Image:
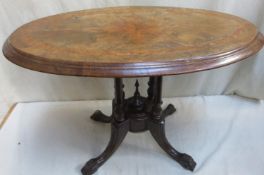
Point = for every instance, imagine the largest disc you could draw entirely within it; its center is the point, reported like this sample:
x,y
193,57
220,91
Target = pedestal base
x,y
137,114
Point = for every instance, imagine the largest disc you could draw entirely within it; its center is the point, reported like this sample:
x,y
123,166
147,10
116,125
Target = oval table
x,y
124,42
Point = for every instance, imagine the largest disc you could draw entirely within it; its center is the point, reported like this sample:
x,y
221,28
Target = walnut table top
x,y
132,42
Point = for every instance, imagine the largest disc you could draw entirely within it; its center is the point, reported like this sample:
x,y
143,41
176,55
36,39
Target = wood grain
x,y
132,42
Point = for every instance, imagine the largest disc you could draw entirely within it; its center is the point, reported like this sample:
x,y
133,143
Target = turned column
x,y
157,98
118,106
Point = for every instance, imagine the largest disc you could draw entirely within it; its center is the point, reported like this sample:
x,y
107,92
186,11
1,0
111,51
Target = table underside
x,y
137,114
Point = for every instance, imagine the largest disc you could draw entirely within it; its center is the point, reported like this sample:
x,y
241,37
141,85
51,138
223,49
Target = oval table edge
x,y
144,69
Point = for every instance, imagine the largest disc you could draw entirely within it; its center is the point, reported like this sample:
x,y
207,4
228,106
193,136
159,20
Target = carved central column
x,y
137,114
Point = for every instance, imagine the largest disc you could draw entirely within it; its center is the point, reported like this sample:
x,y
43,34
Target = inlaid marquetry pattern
x,y
128,39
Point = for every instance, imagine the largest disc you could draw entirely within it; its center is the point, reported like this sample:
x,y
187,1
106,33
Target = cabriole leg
x,y
118,133
119,129
156,126
157,130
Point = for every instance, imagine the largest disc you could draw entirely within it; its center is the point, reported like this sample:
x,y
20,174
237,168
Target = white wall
x,y
19,84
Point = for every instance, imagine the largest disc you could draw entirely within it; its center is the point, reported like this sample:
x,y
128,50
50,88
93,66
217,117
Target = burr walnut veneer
x,y
125,42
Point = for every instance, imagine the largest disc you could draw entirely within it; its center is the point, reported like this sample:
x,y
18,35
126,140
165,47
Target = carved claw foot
x,y
168,111
101,117
118,133
90,167
186,162
157,130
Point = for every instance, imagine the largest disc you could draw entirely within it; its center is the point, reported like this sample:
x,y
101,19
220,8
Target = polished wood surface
x,y
132,41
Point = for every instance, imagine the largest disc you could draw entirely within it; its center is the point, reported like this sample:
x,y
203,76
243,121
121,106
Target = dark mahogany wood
x,y
138,114
118,133
132,42
101,117
157,130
